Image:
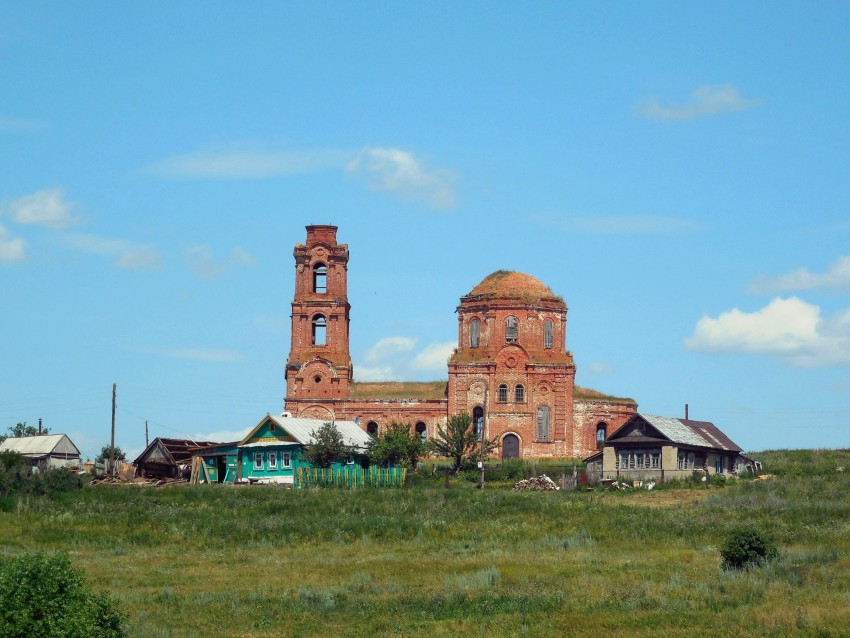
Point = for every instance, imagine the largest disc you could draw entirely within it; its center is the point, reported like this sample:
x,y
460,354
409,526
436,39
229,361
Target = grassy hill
x,y
263,562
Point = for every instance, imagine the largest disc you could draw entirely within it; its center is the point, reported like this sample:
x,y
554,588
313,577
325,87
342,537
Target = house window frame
x,y
258,461
272,460
503,393
548,334
286,460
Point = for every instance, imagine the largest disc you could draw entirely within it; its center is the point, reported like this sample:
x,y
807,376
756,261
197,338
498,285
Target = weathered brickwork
x,y
511,363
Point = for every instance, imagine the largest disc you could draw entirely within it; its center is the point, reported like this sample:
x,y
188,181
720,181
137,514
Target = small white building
x,y
46,450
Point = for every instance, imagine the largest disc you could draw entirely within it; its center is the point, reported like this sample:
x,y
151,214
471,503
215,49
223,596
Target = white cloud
x,y
790,329
45,208
201,259
11,248
600,368
402,173
838,276
434,357
125,253
705,101
249,164
391,359
620,224
223,436
389,347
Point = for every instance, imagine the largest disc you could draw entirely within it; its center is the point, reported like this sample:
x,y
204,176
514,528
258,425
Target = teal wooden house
x,y
272,452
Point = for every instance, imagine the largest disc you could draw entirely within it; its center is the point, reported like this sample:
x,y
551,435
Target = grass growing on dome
x,y
397,390
588,394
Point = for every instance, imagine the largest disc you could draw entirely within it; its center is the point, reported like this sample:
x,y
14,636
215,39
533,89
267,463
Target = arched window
x,y
519,393
320,278
601,430
478,419
548,327
543,423
474,333
422,431
372,428
503,393
511,329
320,328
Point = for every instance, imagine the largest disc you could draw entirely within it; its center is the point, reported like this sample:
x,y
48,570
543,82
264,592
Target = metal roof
x,y
701,433
272,443
675,430
302,430
41,445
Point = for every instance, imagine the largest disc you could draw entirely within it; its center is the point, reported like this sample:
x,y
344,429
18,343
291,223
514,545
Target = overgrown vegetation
x,y
186,562
399,446
328,447
18,478
43,596
459,441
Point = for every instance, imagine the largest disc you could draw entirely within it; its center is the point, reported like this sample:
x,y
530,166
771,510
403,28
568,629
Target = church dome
x,y
509,284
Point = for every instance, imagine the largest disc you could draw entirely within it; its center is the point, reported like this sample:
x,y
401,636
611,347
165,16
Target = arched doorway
x,y
477,419
510,447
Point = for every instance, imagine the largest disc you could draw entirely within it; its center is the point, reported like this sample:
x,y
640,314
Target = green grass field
x,y
260,561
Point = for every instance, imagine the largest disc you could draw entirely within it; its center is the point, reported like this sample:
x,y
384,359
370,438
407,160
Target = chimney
x,y
686,412
39,427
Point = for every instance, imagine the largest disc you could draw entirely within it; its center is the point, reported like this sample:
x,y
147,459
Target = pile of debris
x,y
541,482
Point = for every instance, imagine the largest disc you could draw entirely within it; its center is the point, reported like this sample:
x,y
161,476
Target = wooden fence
x,y
350,478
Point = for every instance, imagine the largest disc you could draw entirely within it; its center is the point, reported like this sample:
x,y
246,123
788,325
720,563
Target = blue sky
x,y
678,172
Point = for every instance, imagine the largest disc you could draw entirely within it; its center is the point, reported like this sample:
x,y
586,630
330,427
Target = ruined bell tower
x,y
319,364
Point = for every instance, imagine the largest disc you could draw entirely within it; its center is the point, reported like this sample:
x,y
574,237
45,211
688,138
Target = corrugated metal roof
x,y
302,430
712,433
40,445
676,430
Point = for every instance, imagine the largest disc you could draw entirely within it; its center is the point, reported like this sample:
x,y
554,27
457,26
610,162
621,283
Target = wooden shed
x,y
168,458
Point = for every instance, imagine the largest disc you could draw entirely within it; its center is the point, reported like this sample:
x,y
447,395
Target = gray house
x,y
650,447
45,450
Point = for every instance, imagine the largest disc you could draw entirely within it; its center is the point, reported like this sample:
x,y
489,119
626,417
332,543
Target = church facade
x,y
511,366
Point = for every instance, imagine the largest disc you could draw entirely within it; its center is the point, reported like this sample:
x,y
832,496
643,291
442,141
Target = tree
x,y
328,446
22,429
106,451
459,441
42,595
397,447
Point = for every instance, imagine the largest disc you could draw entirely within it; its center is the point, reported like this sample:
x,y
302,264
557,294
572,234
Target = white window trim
x,y
286,460
272,460
258,460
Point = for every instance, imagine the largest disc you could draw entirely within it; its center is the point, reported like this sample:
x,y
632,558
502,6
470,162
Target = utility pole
x,y
146,433
112,446
483,432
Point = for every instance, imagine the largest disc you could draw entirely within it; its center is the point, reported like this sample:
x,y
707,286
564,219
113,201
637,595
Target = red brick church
x,y
511,364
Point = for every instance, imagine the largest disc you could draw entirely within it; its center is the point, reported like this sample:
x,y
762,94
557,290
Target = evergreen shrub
x,y
42,595
747,548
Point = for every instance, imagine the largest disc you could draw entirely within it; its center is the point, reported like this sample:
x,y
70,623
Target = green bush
x,y
746,548
41,595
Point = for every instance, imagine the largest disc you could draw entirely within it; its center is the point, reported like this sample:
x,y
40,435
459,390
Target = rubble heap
x,y
541,482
